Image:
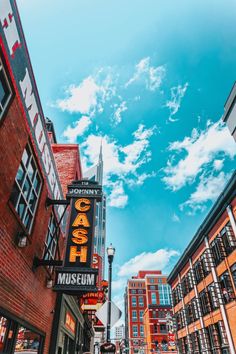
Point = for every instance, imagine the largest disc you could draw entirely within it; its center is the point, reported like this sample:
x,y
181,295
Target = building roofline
x,y
216,211
231,99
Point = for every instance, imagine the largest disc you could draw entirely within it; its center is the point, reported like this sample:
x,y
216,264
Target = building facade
x,y
203,282
147,312
95,173
120,332
34,169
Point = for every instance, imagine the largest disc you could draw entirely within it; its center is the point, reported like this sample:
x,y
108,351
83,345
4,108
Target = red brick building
x,y
33,168
148,313
203,282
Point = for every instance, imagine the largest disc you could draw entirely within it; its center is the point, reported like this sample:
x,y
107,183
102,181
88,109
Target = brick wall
x,y
22,291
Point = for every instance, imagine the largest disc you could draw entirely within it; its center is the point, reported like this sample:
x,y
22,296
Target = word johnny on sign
x,y
85,189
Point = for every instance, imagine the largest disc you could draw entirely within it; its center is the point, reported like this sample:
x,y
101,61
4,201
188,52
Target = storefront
x,y
68,327
18,336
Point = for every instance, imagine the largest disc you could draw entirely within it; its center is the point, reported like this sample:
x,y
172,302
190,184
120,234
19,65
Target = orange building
x,y
203,282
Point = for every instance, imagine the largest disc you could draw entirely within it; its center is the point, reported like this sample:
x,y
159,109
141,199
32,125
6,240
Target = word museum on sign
x,y
76,279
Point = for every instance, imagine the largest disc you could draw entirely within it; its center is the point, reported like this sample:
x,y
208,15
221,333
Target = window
x,y
152,280
140,301
214,300
134,315
26,190
133,291
218,252
154,314
164,294
228,239
141,316
183,345
205,302
205,263
187,284
179,320
140,291
195,339
233,271
134,301
217,338
4,323
27,340
198,271
15,338
163,328
189,313
141,331
153,298
195,307
5,90
51,240
176,294
135,331
152,287
155,328
161,314
226,287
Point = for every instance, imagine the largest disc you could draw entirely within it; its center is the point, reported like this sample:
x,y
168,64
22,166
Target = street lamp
x,y
110,255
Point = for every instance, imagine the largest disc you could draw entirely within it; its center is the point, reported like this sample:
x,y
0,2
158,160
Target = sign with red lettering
x,y
97,264
70,322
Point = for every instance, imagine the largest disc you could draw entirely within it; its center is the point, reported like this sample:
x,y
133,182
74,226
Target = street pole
x,y
109,304
110,254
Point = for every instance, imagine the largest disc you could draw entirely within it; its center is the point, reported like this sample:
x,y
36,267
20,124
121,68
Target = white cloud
x,y
175,218
117,114
147,261
218,164
82,98
90,95
200,150
177,93
78,129
140,179
117,198
208,189
152,76
118,284
121,163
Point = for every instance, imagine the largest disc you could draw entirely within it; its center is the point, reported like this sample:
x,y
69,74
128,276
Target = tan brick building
x,y
203,282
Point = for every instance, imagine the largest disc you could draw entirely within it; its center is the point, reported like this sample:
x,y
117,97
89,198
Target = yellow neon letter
x,y
79,236
79,202
82,254
81,220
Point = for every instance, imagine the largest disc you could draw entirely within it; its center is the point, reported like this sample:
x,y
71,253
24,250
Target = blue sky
x,y
149,77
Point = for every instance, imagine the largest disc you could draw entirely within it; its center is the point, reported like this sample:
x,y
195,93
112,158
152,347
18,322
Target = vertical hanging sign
x,y
77,273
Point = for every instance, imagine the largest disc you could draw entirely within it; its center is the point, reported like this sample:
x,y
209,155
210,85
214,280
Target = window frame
x,y
135,333
225,283
133,303
140,303
18,189
4,107
134,318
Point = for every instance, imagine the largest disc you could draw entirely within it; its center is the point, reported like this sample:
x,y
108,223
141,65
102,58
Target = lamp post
x,y
110,255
